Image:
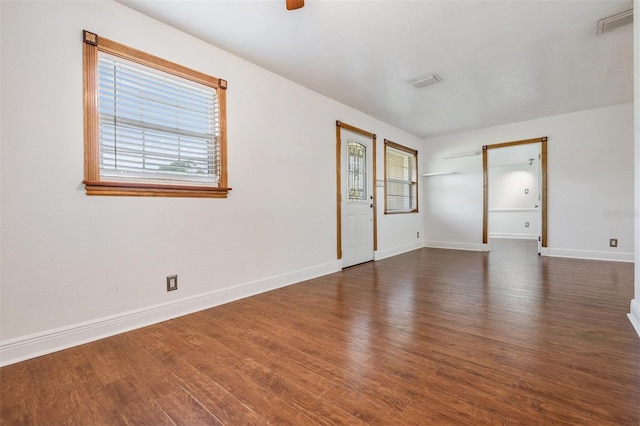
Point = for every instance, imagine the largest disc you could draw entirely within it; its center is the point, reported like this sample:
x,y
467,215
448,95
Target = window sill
x,y
401,211
153,190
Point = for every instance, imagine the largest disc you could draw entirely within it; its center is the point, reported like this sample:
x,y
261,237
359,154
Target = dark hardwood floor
x,y
427,337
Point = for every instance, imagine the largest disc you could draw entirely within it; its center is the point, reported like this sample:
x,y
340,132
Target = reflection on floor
x,y
511,245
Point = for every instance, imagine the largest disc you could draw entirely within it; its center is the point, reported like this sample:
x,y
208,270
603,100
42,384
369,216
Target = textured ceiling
x,y
500,61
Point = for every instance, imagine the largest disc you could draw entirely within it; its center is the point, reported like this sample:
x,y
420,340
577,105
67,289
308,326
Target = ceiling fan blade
x,y
294,4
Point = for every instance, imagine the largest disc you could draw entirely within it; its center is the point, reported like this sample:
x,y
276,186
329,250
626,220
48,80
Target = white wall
x,y
634,313
511,208
590,177
75,268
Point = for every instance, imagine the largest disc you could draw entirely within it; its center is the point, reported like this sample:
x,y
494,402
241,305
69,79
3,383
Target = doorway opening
x,y
516,205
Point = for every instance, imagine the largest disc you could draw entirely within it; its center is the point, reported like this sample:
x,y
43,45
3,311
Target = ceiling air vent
x,y
425,81
615,21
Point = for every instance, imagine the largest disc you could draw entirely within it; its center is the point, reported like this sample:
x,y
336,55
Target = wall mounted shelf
x,y
439,174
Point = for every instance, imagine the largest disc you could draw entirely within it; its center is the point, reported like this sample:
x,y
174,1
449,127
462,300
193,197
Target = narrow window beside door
x,y
401,178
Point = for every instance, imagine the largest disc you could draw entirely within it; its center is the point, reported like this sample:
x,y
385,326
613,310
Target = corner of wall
x,y
383,254
634,315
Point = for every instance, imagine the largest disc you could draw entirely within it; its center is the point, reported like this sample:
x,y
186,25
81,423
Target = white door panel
x,y
357,198
365,225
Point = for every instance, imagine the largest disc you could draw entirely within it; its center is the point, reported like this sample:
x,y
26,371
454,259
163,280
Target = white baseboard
x,y
589,254
383,254
634,315
31,346
456,245
513,236
552,252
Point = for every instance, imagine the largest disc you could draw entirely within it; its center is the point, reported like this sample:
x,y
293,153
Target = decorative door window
x,y
357,172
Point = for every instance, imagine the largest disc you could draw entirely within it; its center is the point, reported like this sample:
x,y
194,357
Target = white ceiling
x,y
500,61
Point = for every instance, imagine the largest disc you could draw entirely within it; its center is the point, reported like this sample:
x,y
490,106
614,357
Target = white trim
x,y
634,315
551,252
457,245
383,254
37,344
589,255
508,235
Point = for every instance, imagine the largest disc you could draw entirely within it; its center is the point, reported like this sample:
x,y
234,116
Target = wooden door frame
x,y
485,184
369,135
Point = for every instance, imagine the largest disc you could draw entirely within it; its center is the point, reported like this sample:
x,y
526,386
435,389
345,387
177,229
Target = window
x,y
401,178
152,127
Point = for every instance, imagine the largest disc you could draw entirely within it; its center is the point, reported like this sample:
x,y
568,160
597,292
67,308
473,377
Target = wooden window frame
x,y
94,184
398,147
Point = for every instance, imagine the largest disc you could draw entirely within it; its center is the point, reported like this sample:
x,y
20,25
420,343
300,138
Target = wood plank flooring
x,y
427,337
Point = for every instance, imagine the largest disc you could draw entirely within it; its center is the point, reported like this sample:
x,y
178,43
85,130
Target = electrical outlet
x,y
613,242
526,190
418,234
172,282
526,224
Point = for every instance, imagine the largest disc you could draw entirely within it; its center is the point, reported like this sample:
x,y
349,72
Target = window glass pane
x,y
153,125
401,180
357,172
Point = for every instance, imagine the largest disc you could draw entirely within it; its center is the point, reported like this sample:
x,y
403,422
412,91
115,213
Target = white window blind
x,y
154,126
401,179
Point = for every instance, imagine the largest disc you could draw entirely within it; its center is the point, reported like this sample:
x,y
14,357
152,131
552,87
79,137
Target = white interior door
x,y
357,198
